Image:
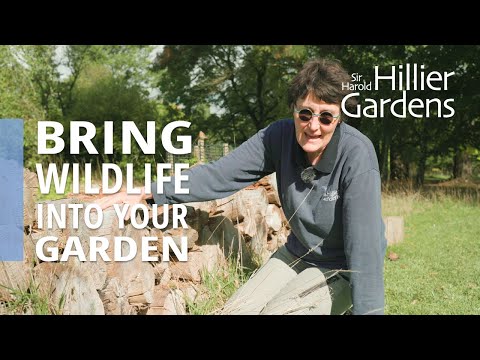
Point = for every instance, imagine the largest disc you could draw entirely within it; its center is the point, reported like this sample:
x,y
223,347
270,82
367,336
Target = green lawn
x,y
438,271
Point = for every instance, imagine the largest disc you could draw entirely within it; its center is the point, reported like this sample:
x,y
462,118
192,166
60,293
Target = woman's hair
x,y
323,78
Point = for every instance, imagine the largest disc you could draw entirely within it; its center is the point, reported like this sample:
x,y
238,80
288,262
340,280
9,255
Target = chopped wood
x,y
249,224
273,218
30,191
394,229
69,290
14,275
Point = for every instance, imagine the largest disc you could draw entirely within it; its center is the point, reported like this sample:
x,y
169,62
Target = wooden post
x,y
394,229
201,145
171,162
196,152
225,149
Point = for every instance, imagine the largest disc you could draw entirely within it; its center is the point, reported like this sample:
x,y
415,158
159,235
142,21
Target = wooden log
x,y
61,233
198,213
206,257
189,290
223,232
159,268
175,303
160,293
162,272
157,233
269,183
226,149
17,275
258,243
121,285
124,279
141,277
231,207
166,277
272,243
243,205
209,207
254,211
394,229
282,236
254,226
248,228
69,290
250,207
171,161
201,146
220,230
273,218
96,270
255,201
196,152
114,297
141,288
30,194
273,197
285,222
4,309
176,235
167,302
29,255
14,276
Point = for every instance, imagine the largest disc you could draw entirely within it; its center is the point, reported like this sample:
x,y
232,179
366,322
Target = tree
x,y
19,100
100,97
54,70
43,82
245,86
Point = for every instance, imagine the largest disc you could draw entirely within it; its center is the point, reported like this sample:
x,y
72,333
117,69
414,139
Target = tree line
x,y
230,92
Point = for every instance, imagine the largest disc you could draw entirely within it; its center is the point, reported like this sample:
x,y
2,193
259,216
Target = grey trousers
x,y
289,285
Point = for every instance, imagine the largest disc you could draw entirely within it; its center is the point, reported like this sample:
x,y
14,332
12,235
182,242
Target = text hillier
x,y
409,78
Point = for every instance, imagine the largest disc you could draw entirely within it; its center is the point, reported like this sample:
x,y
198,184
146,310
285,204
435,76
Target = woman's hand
x,y
122,198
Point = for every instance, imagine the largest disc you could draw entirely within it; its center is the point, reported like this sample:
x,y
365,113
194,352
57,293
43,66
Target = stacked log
x,y
277,227
247,227
30,191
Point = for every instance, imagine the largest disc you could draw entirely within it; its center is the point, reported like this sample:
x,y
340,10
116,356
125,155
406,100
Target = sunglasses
x,y
325,117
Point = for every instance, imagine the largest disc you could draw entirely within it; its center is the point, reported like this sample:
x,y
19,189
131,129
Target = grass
x,y
217,287
438,271
31,301
433,177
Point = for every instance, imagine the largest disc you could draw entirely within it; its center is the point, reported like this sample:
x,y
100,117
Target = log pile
x,y
248,225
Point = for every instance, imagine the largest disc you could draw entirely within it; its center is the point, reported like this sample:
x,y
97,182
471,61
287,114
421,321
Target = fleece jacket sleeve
x,y
242,167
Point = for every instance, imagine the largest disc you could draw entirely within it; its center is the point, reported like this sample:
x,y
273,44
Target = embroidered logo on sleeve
x,y
331,195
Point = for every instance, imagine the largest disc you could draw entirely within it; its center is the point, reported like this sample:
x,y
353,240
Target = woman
x,y
329,186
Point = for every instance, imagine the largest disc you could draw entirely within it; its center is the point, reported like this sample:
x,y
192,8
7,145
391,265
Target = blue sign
x,y
11,190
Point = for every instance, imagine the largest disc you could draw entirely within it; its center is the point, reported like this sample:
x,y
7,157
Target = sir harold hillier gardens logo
x,y
408,78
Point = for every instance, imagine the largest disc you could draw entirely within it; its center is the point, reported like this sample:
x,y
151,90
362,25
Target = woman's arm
x,y
242,167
